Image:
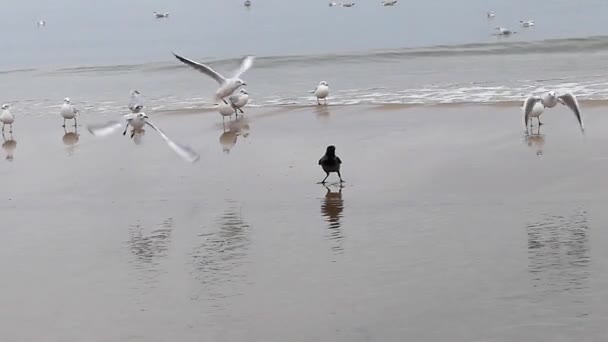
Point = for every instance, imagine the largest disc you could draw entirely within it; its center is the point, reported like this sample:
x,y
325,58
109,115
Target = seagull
x,y
389,2
351,4
6,118
534,106
239,101
330,163
225,109
227,85
68,111
161,15
247,3
504,32
322,91
490,14
41,23
527,23
136,104
332,4
138,121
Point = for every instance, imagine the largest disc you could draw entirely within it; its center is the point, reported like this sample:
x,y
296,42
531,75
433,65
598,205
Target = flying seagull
x,y
534,106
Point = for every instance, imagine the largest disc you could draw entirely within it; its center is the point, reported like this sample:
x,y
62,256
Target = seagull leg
x,y
240,110
3,127
539,123
11,131
75,122
125,131
326,101
318,101
64,120
132,134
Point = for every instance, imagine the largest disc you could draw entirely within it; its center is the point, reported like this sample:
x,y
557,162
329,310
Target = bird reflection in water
x,y
332,206
220,256
322,112
149,248
558,252
9,145
232,130
536,141
70,139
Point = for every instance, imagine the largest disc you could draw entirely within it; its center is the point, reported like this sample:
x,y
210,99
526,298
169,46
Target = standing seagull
x,y
527,23
534,106
227,85
330,163
6,118
41,23
68,111
136,104
239,101
138,121
504,31
321,92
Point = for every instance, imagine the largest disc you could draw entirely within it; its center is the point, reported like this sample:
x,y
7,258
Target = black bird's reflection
x,y
232,130
332,206
9,145
70,139
536,141
149,248
220,256
558,252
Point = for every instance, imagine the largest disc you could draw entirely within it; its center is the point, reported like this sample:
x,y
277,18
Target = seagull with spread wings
x,y
227,85
534,106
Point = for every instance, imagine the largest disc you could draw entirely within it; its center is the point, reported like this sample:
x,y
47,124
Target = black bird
x,y
330,163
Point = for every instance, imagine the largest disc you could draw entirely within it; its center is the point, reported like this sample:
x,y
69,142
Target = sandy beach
x,y
451,225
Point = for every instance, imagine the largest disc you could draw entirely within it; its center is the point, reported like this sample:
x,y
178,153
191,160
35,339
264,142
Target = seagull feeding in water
x,y
68,111
389,2
527,23
227,85
504,31
534,106
136,103
138,121
321,92
330,163
161,15
6,118
238,101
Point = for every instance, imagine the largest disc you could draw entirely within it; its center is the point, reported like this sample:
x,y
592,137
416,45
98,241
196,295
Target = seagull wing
x,y
246,64
569,100
185,152
102,130
202,68
528,106
233,99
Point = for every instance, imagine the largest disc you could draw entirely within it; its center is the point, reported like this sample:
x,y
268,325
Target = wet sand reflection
x,y
9,145
332,207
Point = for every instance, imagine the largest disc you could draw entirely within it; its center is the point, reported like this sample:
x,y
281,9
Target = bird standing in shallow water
x,y
330,163
6,118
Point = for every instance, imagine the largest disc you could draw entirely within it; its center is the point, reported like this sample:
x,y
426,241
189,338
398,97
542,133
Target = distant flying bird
x,y
490,14
161,15
389,2
527,23
350,4
330,163
534,106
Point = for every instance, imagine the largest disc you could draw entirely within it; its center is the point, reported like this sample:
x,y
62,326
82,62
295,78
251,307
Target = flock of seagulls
x,y
502,31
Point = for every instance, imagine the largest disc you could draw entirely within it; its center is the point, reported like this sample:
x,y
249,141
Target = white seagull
x,y
321,92
238,101
41,23
504,31
527,23
138,121
534,106
389,2
227,85
332,4
161,15
350,4
68,111
6,118
490,14
225,109
136,103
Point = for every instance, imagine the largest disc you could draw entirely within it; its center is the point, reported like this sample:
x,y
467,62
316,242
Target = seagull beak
x,y
244,84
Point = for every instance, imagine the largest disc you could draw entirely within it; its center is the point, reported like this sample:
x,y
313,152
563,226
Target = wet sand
x,y
451,226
